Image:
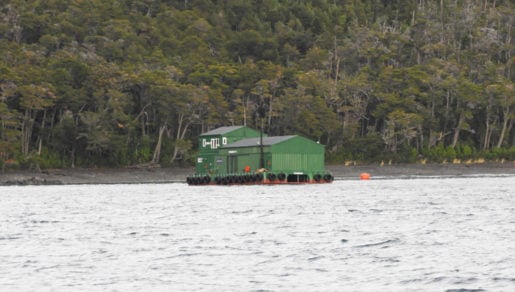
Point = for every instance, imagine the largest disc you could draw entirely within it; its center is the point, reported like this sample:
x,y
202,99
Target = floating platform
x,y
260,178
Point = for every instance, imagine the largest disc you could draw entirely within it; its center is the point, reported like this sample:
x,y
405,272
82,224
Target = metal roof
x,y
251,142
221,130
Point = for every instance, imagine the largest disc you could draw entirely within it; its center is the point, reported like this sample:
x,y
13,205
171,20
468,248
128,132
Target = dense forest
x,y
111,83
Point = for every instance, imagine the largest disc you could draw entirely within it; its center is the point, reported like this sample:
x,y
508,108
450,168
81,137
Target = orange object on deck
x,y
364,176
247,168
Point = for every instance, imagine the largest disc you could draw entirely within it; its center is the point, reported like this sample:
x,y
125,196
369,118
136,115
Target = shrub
x,y
466,152
49,159
450,153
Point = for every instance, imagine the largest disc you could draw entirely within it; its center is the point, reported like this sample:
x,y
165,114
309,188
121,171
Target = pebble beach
x,y
178,175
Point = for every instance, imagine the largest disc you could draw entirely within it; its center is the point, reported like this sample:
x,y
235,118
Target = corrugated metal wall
x,y
305,162
298,154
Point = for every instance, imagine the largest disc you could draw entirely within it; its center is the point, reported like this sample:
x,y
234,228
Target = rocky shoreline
x,y
178,175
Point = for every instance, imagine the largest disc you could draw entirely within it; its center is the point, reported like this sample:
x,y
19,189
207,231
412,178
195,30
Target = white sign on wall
x,y
213,143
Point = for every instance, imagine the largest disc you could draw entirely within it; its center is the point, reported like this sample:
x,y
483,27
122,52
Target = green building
x,y
295,158
237,155
211,142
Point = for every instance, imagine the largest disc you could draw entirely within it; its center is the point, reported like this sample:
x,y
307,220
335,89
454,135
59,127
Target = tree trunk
x,y
488,129
447,109
143,132
157,151
457,130
180,136
72,157
26,132
433,138
40,138
420,142
181,132
506,121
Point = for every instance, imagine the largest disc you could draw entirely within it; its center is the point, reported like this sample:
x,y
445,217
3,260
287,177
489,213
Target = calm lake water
x,y
438,234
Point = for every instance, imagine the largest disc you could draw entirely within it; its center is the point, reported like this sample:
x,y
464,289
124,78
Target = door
x,y
232,164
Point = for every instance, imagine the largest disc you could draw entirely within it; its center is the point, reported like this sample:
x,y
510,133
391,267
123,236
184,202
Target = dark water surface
x,y
440,234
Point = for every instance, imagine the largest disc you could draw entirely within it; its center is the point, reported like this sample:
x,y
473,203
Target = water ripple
x,y
384,244
386,235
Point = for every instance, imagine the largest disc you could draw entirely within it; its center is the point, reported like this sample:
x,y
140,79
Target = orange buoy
x,y
364,176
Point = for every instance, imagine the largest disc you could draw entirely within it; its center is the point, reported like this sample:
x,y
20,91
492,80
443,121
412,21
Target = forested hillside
x,y
111,83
